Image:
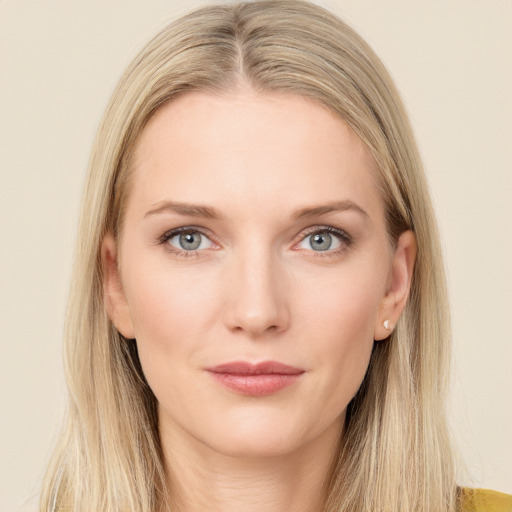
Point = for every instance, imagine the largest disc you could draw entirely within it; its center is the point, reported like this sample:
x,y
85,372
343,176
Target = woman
x,y
258,319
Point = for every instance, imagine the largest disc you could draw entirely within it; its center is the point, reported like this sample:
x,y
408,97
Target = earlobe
x,y
113,293
397,293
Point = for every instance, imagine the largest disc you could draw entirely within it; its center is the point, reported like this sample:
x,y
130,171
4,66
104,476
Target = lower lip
x,y
256,385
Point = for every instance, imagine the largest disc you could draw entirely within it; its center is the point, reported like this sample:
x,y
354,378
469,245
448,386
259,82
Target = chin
x,y
243,444
269,433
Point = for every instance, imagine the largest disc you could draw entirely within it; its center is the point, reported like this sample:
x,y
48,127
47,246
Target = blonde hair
x,y
396,453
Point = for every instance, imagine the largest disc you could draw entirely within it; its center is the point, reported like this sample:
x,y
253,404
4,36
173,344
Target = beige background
x,y
452,61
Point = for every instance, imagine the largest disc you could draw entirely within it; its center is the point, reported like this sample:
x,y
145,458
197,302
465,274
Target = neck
x,y
200,478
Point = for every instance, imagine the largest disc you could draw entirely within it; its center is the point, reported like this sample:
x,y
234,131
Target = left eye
x,y
190,241
321,241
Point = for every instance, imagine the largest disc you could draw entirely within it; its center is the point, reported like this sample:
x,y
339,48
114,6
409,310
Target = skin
x,y
256,289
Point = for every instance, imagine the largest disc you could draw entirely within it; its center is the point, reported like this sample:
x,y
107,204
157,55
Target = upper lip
x,y
263,368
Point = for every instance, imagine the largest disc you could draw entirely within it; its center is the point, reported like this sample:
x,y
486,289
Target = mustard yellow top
x,y
483,500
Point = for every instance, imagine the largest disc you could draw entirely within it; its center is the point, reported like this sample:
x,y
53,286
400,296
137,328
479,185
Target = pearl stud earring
x,y
386,325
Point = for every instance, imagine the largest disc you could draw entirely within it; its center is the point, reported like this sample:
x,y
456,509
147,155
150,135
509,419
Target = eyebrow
x,y
190,210
207,212
336,206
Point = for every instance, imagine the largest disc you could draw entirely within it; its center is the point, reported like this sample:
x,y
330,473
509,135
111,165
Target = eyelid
x,y
171,233
185,229
345,239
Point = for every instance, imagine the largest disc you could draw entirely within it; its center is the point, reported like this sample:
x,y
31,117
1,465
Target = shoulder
x,y
484,500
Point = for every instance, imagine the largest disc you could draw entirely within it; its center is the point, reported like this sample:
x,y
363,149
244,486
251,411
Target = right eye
x,y
189,240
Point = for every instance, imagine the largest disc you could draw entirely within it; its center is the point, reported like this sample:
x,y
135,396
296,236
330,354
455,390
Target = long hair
x,y
395,454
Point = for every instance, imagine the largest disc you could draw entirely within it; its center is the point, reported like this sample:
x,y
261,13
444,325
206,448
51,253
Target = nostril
x,y
269,320
256,300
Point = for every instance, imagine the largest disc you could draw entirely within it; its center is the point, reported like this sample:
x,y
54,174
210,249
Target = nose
x,y
256,301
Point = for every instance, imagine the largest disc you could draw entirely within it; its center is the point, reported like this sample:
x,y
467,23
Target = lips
x,y
260,379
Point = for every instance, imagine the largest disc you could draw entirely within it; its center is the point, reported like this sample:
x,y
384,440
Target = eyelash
x,y
345,239
343,236
164,239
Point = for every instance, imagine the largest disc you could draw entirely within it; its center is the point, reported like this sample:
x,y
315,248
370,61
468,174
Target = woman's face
x,y
254,233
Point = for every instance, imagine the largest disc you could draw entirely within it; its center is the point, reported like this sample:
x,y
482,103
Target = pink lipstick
x,y
259,379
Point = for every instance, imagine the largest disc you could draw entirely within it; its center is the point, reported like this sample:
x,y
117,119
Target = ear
x,y
399,285
113,293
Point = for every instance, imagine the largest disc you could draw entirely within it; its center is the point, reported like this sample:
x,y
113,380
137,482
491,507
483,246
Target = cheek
x,y
173,314
345,303
340,318
165,297
177,315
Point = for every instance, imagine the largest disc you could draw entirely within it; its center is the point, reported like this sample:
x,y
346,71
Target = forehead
x,y
248,150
